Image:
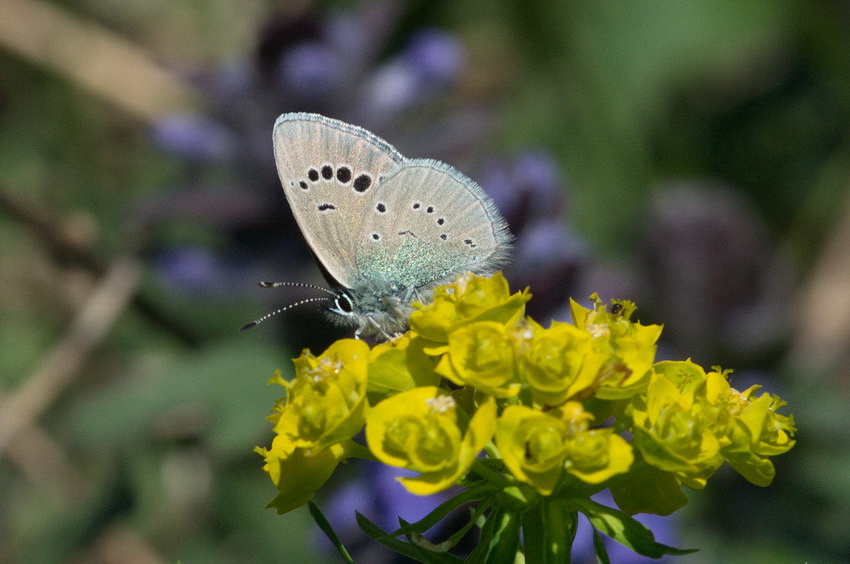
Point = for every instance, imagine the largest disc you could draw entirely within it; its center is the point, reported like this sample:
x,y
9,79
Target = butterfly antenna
x,y
281,310
296,284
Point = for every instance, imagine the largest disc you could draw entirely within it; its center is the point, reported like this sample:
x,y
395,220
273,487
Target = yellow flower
x,y
468,299
298,472
674,428
327,398
481,355
551,383
533,446
420,429
629,346
558,363
537,447
598,454
752,430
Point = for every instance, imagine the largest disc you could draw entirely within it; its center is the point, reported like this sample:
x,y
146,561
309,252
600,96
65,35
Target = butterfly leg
x,y
370,321
414,293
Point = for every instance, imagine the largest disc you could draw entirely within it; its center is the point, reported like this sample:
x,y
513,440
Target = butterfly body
x,y
375,306
386,229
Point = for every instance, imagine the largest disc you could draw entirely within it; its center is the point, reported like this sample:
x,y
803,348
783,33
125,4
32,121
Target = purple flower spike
x,y
537,174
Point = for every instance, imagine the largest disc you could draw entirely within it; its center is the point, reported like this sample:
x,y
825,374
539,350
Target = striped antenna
x,y
297,284
290,306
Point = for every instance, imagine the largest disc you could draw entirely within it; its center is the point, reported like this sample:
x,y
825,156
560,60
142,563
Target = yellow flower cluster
x,y
569,404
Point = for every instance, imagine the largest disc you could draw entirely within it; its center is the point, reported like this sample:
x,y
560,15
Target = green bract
x,y
531,419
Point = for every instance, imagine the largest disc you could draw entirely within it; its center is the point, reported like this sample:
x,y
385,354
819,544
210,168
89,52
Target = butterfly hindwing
x,y
425,223
329,170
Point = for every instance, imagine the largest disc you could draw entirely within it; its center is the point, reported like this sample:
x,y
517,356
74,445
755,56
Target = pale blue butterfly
x,y
385,229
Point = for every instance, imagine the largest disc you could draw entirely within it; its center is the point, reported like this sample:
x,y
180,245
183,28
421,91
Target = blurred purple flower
x,y
193,270
309,71
712,272
194,137
437,56
548,258
429,64
527,188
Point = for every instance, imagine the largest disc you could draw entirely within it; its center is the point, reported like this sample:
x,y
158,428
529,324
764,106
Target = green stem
x,y
548,531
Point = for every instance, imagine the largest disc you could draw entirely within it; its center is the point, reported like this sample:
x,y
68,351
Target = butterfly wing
x,y
426,223
329,170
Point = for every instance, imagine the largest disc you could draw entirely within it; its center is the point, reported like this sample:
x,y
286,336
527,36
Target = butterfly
x,y
385,229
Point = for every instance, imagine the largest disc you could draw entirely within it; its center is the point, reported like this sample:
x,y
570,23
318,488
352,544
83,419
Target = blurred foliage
x,y
146,451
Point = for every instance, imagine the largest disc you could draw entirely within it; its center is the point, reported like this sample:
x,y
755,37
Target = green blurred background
x,y
129,409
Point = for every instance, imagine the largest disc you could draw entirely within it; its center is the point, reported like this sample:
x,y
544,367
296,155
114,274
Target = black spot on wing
x,y
362,182
343,174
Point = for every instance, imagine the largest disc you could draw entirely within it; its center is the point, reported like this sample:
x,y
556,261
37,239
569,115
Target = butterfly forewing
x,y
425,223
329,171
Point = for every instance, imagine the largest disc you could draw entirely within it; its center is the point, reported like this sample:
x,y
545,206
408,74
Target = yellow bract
x,y
538,447
481,355
690,422
559,363
420,429
297,472
466,300
326,400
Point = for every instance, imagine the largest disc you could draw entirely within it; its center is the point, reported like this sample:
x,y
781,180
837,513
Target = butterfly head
x,y
376,307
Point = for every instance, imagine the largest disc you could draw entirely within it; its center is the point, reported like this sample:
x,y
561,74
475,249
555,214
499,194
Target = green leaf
x,y
647,489
326,528
504,545
476,515
599,548
404,548
625,530
499,541
474,493
409,530
488,529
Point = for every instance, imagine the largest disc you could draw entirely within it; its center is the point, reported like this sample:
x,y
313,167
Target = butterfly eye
x,y
343,303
